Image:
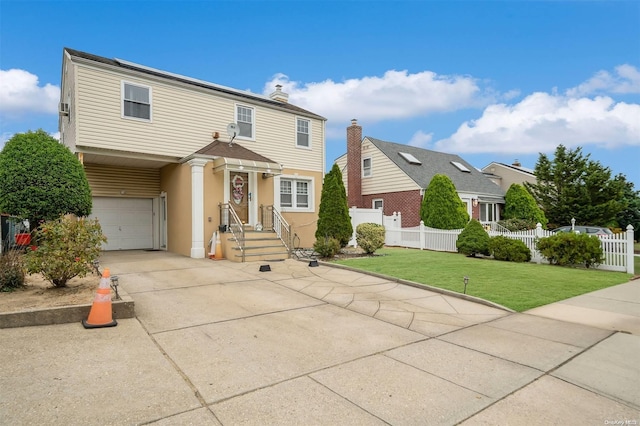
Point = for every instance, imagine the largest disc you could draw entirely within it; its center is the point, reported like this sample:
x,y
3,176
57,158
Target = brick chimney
x,y
354,164
279,95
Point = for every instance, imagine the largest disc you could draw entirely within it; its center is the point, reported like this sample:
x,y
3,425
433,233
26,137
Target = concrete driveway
x,y
216,342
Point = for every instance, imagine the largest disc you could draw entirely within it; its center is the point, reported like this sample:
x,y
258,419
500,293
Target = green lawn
x,y
519,286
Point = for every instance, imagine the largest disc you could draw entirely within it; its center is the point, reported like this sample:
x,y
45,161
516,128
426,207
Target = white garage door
x,y
126,222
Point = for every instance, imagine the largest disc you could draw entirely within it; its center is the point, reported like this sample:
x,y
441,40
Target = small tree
x,y
520,204
370,236
473,239
441,206
67,248
40,179
333,217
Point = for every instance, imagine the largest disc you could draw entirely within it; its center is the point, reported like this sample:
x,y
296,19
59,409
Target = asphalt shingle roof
x,y
434,162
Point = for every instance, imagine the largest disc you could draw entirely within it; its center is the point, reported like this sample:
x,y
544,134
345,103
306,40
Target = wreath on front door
x,y
238,184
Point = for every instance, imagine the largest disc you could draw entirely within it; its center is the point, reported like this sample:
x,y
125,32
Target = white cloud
x,y
421,139
626,80
21,94
395,95
541,121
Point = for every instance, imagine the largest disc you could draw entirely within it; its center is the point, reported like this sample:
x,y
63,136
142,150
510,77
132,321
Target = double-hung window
x,y
245,118
303,133
295,194
136,101
366,167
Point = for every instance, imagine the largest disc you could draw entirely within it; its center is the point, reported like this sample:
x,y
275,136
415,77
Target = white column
x,y
197,207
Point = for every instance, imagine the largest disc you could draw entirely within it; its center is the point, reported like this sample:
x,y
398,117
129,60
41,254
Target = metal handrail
x,y
273,220
234,224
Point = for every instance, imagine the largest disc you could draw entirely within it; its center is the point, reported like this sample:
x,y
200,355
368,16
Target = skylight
x,y
461,167
410,158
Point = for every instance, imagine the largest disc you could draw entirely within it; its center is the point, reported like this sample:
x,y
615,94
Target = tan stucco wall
x,y
175,180
305,223
213,196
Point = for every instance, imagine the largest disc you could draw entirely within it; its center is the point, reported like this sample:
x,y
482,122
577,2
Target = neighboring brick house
x,y
160,159
393,177
504,175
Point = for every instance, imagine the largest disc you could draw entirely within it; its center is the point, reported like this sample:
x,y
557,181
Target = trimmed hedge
x,y
570,249
473,239
370,237
508,249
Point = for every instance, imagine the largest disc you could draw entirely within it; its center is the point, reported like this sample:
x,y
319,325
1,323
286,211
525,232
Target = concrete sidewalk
x,y
222,343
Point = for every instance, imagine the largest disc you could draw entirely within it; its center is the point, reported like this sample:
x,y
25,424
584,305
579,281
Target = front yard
x,y
519,286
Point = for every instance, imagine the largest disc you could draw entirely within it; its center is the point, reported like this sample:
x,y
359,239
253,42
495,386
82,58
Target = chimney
x,y
354,164
279,95
516,163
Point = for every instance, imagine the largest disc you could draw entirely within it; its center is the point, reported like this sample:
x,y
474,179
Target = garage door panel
x,y
126,222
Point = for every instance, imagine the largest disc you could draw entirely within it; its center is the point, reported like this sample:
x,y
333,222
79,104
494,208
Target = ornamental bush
x,y
12,273
515,225
370,237
571,249
327,247
508,249
473,239
333,214
66,248
441,206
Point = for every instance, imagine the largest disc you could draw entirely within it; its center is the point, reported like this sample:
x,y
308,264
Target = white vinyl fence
x,y
617,248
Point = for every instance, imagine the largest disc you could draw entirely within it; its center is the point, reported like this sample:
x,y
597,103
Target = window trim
x,y
309,132
373,203
295,178
122,101
364,175
253,122
298,145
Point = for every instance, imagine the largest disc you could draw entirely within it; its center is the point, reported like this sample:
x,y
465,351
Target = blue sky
x,y
488,80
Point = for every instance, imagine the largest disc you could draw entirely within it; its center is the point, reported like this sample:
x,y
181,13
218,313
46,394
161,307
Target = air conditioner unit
x,y
63,108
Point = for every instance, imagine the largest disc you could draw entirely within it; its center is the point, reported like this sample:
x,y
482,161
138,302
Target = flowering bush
x,y
66,248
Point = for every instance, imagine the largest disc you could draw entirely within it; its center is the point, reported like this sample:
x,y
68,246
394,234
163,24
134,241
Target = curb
x,y
123,308
420,285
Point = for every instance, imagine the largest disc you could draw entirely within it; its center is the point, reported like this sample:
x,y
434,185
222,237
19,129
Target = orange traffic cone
x,y
101,314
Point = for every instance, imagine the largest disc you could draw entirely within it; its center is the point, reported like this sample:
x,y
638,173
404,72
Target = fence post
x,y
536,254
629,241
422,237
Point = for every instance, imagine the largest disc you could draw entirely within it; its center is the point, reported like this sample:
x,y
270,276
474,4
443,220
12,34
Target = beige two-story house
x,y
171,159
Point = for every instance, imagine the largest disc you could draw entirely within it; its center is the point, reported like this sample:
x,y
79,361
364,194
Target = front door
x,y
240,195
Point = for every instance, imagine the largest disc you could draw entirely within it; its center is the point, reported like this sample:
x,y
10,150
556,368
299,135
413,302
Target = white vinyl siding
x,y
183,119
303,133
122,181
245,119
136,101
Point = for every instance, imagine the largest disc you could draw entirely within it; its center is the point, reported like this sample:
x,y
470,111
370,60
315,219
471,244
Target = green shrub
x,y
370,237
515,225
473,239
327,247
508,249
12,272
441,206
570,249
66,248
333,214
